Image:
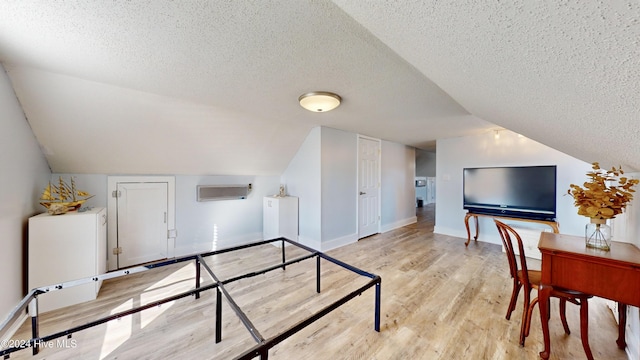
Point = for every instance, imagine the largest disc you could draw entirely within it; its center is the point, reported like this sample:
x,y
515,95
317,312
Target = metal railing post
x,y
218,315
318,274
284,259
33,312
198,277
376,321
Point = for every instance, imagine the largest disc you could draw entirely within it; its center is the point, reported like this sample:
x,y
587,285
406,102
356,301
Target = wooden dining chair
x,y
530,279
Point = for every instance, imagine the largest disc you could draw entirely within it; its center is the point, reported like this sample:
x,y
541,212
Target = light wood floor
x,y
440,300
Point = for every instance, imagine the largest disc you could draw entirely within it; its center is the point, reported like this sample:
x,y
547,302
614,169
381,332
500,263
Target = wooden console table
x,y
552,224
568,263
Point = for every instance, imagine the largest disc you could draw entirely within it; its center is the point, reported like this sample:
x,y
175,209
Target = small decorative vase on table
x,y
603,197
597,234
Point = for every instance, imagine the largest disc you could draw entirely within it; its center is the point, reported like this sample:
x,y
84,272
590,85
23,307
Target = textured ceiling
x,y
211,87
564,73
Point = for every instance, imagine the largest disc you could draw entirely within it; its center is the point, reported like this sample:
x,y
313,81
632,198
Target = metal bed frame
x,y
263,345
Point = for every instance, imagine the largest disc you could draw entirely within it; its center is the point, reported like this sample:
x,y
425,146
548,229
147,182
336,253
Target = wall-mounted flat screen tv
x,y
527,192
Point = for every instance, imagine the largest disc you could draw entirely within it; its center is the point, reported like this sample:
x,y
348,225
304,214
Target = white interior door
x,y
368,187
142,222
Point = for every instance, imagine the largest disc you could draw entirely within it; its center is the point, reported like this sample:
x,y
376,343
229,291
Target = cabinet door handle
x,y
363,193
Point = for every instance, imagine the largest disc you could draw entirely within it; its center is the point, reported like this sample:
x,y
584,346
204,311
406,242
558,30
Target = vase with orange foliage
x,y
602,197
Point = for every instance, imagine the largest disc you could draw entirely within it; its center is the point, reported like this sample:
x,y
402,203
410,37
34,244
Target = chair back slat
x,y
511,239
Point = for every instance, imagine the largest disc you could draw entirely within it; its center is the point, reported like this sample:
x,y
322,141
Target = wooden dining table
x,y
568,263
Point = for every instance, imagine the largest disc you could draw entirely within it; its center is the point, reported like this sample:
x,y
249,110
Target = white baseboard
x,y
338,242
463,234
314,244
449,231
197,248
398,224
329,244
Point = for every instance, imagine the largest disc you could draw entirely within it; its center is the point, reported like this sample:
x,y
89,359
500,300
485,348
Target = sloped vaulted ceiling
x,y
564,73
211,87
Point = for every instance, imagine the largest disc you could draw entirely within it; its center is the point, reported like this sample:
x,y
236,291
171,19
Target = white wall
x,y
398,194
509,150
425,163
324,174
24,175
201,226
339,173
205,226
302,178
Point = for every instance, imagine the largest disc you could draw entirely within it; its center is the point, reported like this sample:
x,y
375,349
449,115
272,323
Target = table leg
x,y
475,220
466,225
543,304
622,324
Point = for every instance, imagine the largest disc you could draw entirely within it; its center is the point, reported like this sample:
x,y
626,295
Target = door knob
x,y
363,193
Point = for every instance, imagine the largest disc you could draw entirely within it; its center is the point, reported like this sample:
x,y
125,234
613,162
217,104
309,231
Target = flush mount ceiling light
x,y
319,101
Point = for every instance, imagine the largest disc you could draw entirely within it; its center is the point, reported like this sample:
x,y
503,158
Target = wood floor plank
x,y
440,300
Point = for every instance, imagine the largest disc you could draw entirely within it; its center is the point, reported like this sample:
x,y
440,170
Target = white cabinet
x,y
280,217
64,248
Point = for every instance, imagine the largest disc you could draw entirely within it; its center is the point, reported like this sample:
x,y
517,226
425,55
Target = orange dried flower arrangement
x,y
598,200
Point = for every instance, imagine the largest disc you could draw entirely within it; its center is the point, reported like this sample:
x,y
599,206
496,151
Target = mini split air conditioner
x,y
222,192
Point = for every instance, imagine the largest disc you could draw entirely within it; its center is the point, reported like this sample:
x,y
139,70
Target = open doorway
x,y
425,178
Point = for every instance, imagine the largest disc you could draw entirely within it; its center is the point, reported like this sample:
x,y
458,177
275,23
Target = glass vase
x,y
597,234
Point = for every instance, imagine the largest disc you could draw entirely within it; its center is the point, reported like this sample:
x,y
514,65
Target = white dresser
x,y
64,248
280,217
